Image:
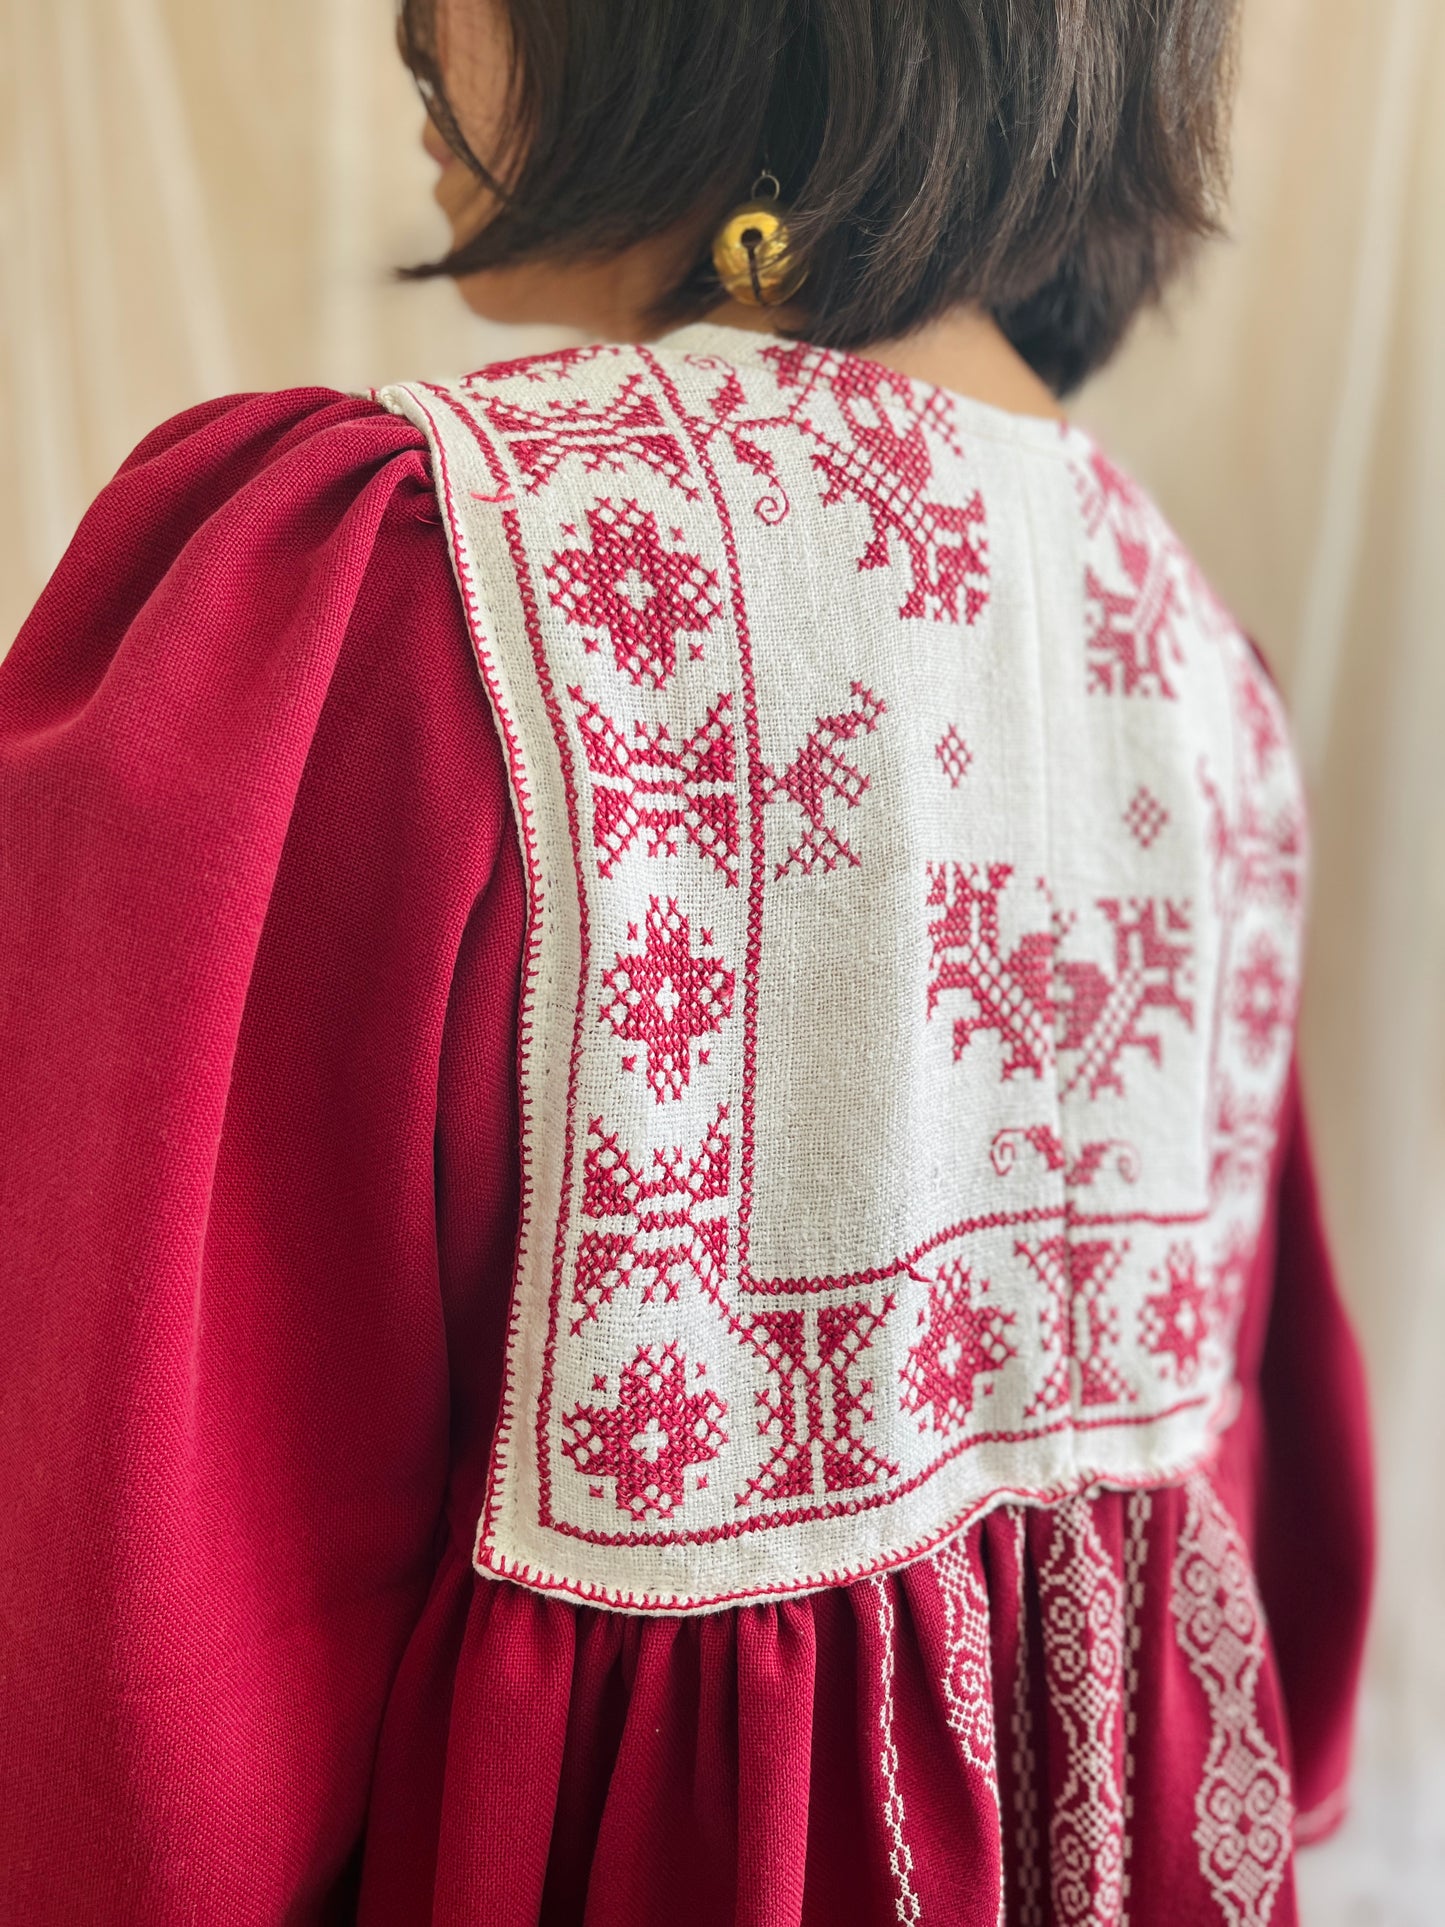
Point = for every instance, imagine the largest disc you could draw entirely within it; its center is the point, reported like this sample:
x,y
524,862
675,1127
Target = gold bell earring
x,y
750,249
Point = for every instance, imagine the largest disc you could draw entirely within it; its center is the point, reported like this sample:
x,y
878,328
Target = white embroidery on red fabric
x,y
900,1855
1024,1758
665,1231
666,996
1243,1805
1081,1602
1136,1546
814,1413
1145,817
640,593
654,1435
648,786
1077,1322
963,1342
879,457
968,1676
818,775
954,755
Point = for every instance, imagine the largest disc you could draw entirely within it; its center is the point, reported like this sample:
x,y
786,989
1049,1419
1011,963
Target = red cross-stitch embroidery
x,y
1131,621
1078,1172
1009,994
1262,1003
954,755
963,1341
814,1414
1243,1136
885,465
820,774
1177,1321
1077,1321
665,997
1146,817
602,436
640,593
1101,1015
651,1438
649,786
661,1232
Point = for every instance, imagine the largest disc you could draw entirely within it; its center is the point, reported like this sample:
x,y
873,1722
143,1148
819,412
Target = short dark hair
x,y
1052,161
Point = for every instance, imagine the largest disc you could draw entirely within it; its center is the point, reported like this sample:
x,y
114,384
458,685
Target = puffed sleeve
x,y
249,804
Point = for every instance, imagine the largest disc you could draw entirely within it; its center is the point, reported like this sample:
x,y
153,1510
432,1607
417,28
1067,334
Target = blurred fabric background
x,y
198,196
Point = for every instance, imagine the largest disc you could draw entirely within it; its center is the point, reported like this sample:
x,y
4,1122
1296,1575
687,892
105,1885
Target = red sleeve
x,y
249,805
1299,1465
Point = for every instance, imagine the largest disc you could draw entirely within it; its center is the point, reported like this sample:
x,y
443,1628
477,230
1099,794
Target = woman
x,y
683,1278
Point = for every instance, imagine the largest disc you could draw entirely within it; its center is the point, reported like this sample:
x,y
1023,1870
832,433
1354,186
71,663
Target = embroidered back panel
x,y
915,859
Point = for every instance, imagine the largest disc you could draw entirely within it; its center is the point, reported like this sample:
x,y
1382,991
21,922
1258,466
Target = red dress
x,y
263,916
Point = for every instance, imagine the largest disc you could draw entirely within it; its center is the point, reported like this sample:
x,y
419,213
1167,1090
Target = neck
x,y
965,351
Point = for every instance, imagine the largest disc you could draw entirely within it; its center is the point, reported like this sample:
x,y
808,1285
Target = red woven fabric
x,y
262,913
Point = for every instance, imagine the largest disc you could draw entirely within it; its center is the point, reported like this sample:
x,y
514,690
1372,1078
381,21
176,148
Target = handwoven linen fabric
x,y
264,919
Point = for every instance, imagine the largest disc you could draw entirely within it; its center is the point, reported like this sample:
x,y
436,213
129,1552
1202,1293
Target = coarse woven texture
x,y
915,860
265,915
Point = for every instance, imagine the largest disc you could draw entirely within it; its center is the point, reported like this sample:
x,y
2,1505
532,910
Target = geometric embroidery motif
x,y
1077,1321
814,1414
647,785
954,755
602,436
1177,1321
651,1438
1101,1013
1244,1813
818,774
1145,817
664,997
1262,1005
640,595
668,1239
964,1341
1081,1606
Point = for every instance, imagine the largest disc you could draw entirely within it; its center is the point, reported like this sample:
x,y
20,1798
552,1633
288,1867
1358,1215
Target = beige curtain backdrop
x,y
199,196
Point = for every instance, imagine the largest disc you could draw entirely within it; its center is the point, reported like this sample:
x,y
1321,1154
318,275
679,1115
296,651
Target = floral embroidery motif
x,y
820,774
664,1231
654,1435
882,461
1178,1321
666,996
963,1342
640,593
1262,1004
648,786
1243,1806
